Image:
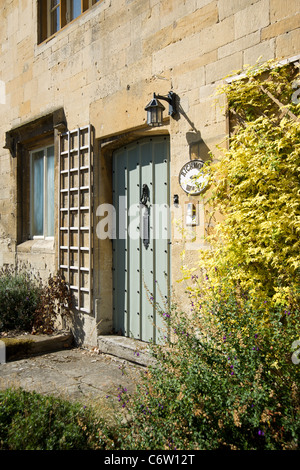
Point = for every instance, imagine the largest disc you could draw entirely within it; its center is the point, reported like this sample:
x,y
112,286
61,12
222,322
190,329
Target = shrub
x,y
255,185
30,421
29,305
55,300
220,383
19,297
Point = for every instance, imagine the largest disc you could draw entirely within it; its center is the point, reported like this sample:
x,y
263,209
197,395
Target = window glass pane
x,y
38,193
55,21
50,192
76,9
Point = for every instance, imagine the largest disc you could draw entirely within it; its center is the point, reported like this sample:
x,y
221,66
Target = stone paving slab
x,y
76,374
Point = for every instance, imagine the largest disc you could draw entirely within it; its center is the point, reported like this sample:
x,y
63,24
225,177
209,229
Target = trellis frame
x,y
75,258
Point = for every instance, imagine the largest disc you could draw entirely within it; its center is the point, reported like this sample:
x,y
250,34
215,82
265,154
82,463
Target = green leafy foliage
x,y
30,421
28,304
19,297
220,383
255,186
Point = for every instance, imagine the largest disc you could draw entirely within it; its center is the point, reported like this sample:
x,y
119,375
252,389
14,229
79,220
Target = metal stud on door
x,y
141,249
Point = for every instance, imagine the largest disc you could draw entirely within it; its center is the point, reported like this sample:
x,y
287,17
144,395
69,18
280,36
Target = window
x,y
55,14
42,192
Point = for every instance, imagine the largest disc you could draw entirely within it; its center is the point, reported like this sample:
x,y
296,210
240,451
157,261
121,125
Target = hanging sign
x,y
191,178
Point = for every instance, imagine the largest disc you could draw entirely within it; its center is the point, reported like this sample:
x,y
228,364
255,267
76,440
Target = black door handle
x,y
145,195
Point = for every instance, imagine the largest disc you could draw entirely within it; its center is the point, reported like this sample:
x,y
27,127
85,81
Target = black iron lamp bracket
x,y
171,98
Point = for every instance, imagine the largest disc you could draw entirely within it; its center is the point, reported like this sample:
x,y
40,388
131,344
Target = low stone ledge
x,y
23,346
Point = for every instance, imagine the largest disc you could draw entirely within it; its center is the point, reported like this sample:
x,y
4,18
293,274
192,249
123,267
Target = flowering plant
x,y
220,381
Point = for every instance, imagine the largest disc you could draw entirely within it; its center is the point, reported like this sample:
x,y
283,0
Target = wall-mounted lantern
x,y
155,108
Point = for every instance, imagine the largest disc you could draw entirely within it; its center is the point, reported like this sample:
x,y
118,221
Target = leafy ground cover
x,y
30,421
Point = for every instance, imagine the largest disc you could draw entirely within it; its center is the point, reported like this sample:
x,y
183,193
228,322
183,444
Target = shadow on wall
x,y
83,329
197,147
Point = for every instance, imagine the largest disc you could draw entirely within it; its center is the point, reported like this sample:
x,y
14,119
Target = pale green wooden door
x,y
141,247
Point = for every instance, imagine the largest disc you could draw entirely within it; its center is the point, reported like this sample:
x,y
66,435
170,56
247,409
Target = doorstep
x,y
129,349
27,345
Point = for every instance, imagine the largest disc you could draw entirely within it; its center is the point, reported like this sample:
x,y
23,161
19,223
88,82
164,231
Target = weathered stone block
x,y
195,22
159,40
287,44
252,18
194,46
223,67
280,9
217,35
25,108
202,3
171,10
185,81
284,26
228,8
261,52
239,44
175,54
196,63
207,92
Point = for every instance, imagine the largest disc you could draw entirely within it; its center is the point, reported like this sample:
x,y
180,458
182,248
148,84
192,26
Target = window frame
x,y
53,9
65,13
45,235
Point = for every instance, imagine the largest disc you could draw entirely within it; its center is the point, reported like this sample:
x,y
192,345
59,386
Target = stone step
x,y
129,349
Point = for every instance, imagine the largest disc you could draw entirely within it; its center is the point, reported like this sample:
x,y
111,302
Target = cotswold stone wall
x,y
103,69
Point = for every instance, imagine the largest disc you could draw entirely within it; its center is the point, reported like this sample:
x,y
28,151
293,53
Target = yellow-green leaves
x,y
256,184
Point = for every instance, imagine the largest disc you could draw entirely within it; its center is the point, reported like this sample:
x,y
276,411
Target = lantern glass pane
x,y
160,115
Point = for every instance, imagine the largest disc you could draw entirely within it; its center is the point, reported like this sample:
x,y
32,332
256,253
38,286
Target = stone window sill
x,y
36,246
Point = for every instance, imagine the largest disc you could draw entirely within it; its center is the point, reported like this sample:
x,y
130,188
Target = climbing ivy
x,y
255,185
